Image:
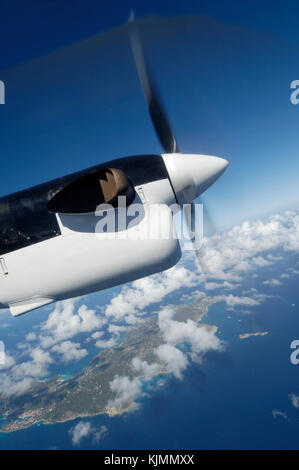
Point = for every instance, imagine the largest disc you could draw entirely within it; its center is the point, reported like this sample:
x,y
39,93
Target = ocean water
x,y
225,403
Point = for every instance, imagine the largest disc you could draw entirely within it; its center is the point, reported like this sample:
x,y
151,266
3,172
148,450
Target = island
x,y
248,335
56,400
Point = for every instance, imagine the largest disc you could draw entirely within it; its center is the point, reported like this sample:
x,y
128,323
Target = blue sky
x,y
73,98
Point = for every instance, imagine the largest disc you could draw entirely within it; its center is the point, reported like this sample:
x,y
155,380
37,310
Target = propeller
x,y
153,100
196,172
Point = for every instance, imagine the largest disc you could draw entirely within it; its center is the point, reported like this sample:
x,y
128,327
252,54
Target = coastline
x,y
131,343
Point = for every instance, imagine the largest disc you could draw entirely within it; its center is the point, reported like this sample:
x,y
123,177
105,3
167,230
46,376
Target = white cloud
x,y
194,296
9,386
127,391
176,332
274,258
100,434
233,300
65,322
80,431
272,282
41,357
252,290
149,290
295,400
261,262
225,256
85,429
144,368
213,285
97,334
220,285
117,329
9,361
70,351
62,324
176,362
105,344
22,376
200,339
31,337
279,414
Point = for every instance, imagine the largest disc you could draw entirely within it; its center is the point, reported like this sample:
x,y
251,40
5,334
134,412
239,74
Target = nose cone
x,y
191,175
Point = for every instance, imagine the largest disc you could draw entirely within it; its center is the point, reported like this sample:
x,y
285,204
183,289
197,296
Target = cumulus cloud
x,y
272,282
194,296
66,322
176,332
23,375
225,259
115,331
97,334
31,337
199,338
226,256
85,429
295,400
212,285
220,285
70,351
100,434
106,343
126,390
176,362
80,431
149,290
9,361
233,300
148,371
261,262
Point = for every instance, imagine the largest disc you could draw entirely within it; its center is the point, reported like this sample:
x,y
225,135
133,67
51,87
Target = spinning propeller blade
x,y
153,100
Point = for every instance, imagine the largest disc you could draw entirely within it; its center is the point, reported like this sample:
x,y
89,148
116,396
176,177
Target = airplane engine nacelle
x,y
92,260
96,244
